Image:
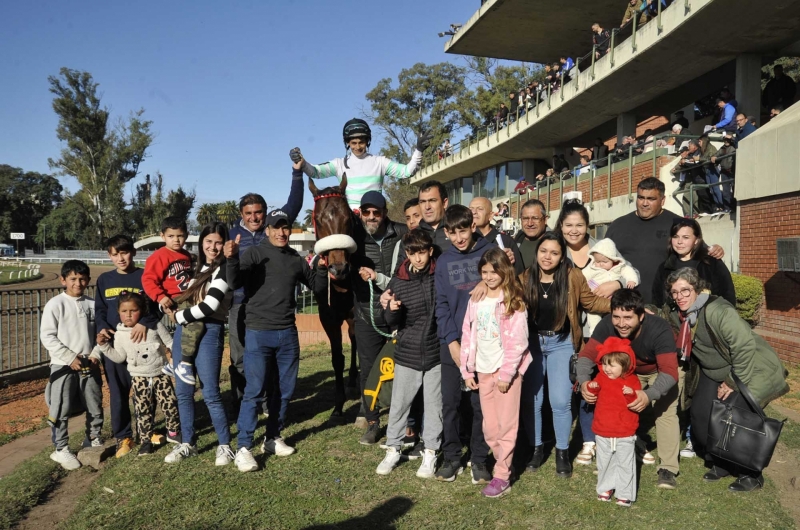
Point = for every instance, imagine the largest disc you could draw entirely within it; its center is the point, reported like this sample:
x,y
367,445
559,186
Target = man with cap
x,y
681,120
269,273
377,256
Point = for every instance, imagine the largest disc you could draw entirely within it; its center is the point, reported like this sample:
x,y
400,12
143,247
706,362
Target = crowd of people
x,y
483,324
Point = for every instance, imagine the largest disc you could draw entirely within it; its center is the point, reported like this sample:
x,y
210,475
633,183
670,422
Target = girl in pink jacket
x,y
494,346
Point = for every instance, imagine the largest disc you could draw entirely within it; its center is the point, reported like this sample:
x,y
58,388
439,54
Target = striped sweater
x,y
216,302
363,174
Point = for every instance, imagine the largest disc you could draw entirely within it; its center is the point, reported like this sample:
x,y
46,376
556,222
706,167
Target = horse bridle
x,y
317,198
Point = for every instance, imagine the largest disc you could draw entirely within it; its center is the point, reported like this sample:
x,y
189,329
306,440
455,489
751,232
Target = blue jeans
x,y
712,177
551,358
267,351
586,417
207,363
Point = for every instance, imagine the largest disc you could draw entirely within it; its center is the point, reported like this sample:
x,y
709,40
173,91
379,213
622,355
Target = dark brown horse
x,y
333,224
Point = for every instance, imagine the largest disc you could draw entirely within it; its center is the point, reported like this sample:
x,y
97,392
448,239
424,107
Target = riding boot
x,y
563,465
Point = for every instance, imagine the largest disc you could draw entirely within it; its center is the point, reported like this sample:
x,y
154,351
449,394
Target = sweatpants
x,y
668,428
451,415
616,466
119,390
149,392
406,385
89,389
500,420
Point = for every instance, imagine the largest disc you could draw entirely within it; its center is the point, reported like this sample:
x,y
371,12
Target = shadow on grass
x,y
382,516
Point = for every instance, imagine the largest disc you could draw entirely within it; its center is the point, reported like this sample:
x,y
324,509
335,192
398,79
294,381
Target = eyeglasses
x,y
683,293
531,219
372,213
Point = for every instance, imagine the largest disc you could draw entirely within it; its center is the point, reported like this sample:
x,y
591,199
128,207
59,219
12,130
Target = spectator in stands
x,y
681,119
752,119
548,176
447,149
743,127
727,121
728,96
774,111
513,106
566,66
600,39
600,153
534,224
780,90
677,128
560,164
708,155
522,101
694,173
502,115
530,97
583,167
650,8
633,9
726,159
688,200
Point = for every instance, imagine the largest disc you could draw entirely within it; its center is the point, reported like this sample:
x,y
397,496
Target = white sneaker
x,y
277,447
586,455
389,462
688,451
224,455
244,460
67,460
180,452
648,459
428,466
185,372
97,442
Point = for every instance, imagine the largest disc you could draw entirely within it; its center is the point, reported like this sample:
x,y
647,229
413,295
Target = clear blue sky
x,y
230,86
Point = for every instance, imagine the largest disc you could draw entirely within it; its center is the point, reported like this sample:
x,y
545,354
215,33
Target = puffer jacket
x,y
513,337
146,358
378,257
417,342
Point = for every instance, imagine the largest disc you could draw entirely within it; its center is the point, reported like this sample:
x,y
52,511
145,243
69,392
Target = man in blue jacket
x,y
456,276
727,121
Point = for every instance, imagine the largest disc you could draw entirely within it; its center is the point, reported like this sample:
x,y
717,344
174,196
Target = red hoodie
x,y
612,417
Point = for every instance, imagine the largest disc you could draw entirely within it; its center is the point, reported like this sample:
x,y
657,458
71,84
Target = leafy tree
x,y
228,213
207,213
397,192
150,205
100,157
26,197
64,227
308,220
492,82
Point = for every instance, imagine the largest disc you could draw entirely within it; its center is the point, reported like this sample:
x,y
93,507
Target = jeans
x,y
267,352
586,417
207,363
551,359
712,177
119,390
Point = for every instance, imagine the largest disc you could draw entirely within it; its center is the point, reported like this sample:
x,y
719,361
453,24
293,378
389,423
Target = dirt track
x,y
49,277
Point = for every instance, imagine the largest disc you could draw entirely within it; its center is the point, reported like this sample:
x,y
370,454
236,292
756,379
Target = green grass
x,y
22,489
331,482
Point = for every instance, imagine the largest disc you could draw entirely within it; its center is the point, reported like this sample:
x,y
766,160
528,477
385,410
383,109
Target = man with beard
x,y
653,343
375,260
534,224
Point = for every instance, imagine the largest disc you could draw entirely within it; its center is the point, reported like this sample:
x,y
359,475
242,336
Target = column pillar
x,y
747,89
626,125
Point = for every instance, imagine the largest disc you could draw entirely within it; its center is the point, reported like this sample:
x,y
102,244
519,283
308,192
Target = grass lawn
x,y
6,272
331,483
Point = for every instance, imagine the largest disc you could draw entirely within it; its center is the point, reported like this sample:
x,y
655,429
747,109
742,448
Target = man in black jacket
x,y
481,209
534,224
432,199
375,260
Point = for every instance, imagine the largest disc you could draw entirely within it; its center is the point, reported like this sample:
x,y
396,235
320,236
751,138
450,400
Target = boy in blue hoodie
x,y
456,276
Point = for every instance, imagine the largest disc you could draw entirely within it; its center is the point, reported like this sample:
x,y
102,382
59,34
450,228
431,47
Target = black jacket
x,y
508,242
417,342
712,271
440,241
377,257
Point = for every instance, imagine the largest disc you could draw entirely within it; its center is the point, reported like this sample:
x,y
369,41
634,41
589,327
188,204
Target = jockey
x,y
365,171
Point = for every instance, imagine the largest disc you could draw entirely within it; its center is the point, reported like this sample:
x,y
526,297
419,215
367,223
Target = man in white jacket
x,y
68,334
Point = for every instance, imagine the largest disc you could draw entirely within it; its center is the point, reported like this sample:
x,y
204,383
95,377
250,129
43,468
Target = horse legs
x,y
333,329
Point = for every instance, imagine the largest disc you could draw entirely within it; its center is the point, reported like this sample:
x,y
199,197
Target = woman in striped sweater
x,y
211,296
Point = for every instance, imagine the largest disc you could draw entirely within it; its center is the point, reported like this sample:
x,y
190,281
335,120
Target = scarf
x,y
688,320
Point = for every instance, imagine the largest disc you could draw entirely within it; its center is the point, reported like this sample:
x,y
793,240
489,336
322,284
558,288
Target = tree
x,y
149,205
228,213
398,192
492,82
308,220
25,199
100,157
65,226
207,213
431,98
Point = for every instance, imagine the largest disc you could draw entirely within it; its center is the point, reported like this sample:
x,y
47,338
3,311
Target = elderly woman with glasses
x,y
717,343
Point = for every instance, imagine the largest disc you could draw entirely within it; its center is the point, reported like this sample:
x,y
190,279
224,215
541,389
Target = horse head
x,y
333,224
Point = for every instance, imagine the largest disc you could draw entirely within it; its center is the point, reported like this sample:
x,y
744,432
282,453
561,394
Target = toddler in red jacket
x,y
614,423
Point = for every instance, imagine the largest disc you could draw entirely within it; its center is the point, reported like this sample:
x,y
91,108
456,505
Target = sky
x,y
230,87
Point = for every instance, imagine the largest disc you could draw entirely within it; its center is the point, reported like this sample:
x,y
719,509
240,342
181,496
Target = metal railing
x,y
691,188
494,127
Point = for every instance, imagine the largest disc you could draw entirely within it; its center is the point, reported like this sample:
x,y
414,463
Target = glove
x,y
424,141
296,155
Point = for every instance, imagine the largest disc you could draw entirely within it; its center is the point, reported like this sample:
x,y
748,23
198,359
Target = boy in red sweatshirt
x,y
614,423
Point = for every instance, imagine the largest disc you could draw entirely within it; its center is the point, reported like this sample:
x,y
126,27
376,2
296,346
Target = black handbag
x,y
744,436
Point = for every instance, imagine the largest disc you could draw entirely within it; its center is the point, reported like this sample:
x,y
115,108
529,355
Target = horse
x,y
333,224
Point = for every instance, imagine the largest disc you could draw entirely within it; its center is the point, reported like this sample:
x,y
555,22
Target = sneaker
x,y
688,451
185,372
224,455
449,471
625,503
158,439
146,449
389,462
648,459
428,466
277,447
409,441
417,451
124,447
174,437
67,460
97,442
372,436
605,497
167,370
480,473
666,480
496,488
586,455
244,460
180,452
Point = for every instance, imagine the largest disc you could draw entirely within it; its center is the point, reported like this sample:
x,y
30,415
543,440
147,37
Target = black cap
x,y
276,216
373,198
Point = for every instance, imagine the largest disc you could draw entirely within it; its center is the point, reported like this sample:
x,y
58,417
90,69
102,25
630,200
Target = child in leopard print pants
x,y
145,359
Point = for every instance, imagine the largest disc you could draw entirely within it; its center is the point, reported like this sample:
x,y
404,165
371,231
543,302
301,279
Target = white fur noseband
x,y
335,242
